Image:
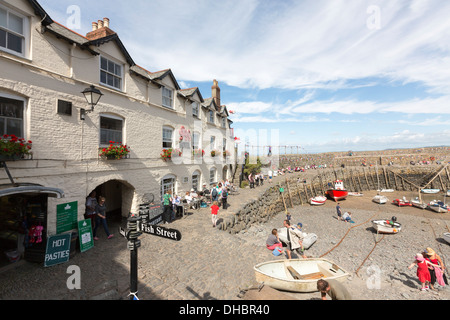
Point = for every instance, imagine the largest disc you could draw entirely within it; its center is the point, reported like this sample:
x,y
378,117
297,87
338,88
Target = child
x,y
422,270
347,217
214,212
273,241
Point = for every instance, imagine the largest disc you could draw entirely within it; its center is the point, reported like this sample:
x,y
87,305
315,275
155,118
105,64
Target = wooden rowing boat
x,y
430,191
298,275
418,203
380,199
386,226
318,201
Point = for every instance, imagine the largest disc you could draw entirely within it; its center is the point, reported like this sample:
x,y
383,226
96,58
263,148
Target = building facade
x,y
44,67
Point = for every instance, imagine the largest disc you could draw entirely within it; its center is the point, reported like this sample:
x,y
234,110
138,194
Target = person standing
x,y
214,213
101,218
339,211
91,203
270,176
295,240
167,203
436,274
224,197
422,270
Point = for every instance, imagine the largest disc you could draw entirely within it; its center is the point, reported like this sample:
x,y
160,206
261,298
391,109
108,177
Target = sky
x,y
313,75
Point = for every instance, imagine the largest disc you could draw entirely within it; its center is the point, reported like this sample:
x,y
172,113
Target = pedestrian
x,y
101,218
335,289
270,176
91,204
273,241
339,211
214,213
347,217
422,270
214,194
436,274
167,203
224,197
251,180
294,239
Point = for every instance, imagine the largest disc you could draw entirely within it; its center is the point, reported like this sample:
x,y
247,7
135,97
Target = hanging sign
x,y
171,234
85,235
58,249
66,217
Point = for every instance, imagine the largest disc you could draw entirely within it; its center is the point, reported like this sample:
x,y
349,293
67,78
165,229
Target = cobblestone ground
x,y
206,264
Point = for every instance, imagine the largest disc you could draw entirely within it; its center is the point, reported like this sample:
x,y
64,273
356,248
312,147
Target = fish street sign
x,y
162,232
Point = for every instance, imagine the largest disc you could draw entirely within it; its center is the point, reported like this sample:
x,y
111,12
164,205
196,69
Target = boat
x,y
317,201
446,237
386,226
386,190
448,193
402,202
308,238
298,275
380,199
338,192
438,206
429,191
355,194
418,203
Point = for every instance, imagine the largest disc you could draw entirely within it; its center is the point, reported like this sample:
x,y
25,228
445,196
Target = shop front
x,y
23,221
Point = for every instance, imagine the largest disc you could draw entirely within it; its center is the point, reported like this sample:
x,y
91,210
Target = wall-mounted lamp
x,y
92,95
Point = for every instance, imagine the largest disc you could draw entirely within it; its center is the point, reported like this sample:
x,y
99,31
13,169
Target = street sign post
x,y
162,232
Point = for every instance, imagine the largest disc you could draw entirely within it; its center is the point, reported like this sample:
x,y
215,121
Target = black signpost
x,y
146,221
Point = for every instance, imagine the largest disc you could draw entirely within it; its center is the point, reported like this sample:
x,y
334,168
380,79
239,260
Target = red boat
x,y
402,202
338,193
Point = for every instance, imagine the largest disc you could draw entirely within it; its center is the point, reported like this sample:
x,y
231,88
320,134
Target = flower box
x,y
114,151
167,154
14,148
198,153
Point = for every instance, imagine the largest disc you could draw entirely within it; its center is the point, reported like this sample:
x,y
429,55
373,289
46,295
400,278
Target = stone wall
x,y
272,202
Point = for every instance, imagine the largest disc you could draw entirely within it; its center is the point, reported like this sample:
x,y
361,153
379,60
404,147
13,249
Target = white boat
x,y
386,190
308,238
430,190
438,206
355,194
418,203
318,201
448,193
380,199
298,275
446,237
386,226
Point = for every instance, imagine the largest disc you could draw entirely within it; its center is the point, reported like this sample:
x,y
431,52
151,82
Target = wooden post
x,y
289,192
299,194
367,180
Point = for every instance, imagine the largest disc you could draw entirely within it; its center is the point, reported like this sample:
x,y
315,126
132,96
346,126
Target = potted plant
x,y
198,153
213,153
14,148
114,151
167,154
226,153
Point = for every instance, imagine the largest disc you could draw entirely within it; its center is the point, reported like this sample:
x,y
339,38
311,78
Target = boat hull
x,y
418,204
277,274
446,237
430,191
401,203
380,199
381,226
337,195
318,201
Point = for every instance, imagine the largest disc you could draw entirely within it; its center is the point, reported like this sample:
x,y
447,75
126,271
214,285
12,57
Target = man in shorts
x,y
339,211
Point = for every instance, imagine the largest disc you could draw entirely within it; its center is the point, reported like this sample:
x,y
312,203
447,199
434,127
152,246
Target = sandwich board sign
x,y
85,235
58,249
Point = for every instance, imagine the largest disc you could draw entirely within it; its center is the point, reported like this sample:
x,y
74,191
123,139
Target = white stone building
x,y
44,67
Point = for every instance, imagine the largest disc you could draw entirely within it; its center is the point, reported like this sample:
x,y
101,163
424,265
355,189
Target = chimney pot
x,y
106,22
94,26
100,24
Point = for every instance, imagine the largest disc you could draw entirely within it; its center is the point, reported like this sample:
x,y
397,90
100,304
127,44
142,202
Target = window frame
x,y
211,117
25,36
172,183
122,130
212,179
114,75
195,106
198,176
24,112
171,139
163,90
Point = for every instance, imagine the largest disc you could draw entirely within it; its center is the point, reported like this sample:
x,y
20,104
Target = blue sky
x,y
325,75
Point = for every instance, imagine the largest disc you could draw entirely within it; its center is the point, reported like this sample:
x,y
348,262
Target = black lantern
x,y
92,95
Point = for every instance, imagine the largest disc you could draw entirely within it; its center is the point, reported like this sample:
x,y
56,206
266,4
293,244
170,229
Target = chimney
x,y
100,29
216,92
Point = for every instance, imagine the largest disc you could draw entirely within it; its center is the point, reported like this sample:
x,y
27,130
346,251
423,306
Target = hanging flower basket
x,y
14,148
114,151
213,153
198,153
226,153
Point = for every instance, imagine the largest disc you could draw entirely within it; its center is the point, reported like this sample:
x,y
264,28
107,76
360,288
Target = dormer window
x,y
13,32
110,73
195,109
167,98
211,116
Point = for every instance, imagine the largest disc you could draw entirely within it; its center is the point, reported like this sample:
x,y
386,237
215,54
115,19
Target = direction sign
x,y
162,232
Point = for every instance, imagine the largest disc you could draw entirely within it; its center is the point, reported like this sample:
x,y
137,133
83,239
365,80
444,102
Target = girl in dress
x,y
436,274
422,270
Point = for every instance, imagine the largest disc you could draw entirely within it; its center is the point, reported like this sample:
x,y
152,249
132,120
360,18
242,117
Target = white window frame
x,y
164,140
212,143
168,182
113,74
25,36
167,97
196,180
122,130
211,116
212,175
24,112
195,140
195,109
